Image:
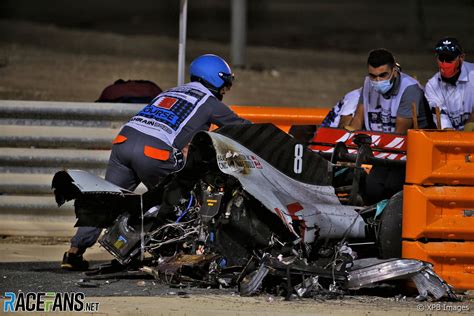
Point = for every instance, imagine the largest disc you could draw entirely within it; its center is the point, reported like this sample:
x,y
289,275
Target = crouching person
x,y
150,145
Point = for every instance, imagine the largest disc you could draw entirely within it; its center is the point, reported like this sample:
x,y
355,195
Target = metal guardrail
x,y
123,111
39,138
57,137
68,110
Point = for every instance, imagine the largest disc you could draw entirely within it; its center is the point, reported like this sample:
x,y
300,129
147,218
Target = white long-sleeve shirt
x,y
346,106
456,102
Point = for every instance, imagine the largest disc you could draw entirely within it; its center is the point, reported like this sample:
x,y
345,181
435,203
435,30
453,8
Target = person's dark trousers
x,y
128,166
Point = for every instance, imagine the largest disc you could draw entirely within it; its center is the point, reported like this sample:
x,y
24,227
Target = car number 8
x,y
298,163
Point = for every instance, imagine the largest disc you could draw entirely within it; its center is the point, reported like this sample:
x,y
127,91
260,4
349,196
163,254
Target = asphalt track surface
x,y
49,277
136,293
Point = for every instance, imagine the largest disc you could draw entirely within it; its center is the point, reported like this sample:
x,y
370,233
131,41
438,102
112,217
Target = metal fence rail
x,y
39,138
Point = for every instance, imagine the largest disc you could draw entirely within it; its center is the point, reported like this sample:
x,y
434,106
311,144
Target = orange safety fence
x,y
438,203
453,261
283,117
440,157
438,212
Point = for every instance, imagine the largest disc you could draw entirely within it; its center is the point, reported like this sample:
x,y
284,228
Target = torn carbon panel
x,y
279,149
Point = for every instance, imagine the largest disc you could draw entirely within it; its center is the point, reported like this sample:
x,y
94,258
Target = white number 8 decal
x,y
298,163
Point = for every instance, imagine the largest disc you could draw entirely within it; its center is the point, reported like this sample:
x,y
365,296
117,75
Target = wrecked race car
x,y
253,207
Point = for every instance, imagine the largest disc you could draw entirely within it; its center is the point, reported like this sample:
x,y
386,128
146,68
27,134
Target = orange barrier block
x,y
440,212
440,157
453,261
281,116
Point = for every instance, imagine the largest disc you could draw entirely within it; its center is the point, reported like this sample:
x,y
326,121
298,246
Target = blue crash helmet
x,y
213,72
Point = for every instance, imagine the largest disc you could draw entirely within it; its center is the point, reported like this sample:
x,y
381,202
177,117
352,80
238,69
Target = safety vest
x,y
380,114
169,112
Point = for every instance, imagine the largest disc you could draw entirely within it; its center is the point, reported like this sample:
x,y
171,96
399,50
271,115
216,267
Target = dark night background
x,y
342,24
308,43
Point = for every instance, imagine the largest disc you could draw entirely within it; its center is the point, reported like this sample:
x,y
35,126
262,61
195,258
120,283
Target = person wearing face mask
x,y
152,143
387,98
451,89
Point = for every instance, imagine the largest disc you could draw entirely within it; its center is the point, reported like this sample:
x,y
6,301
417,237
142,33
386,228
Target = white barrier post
x,y
239,32
183,16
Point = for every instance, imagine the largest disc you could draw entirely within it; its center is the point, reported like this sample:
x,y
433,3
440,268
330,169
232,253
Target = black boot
x,y
74,262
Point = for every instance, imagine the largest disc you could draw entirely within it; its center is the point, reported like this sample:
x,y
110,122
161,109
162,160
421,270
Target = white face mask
x,y
382,86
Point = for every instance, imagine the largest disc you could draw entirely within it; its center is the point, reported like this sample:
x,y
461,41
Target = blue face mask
x,y
382,86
